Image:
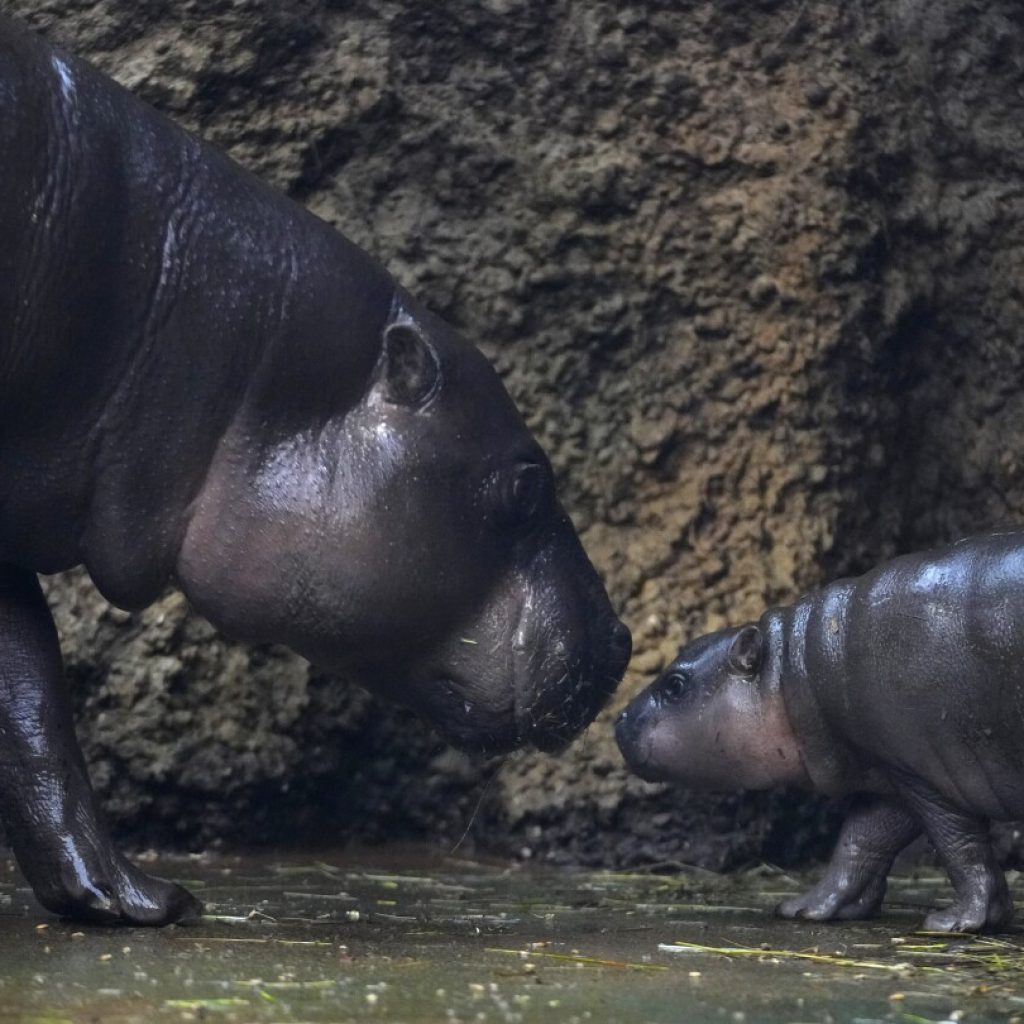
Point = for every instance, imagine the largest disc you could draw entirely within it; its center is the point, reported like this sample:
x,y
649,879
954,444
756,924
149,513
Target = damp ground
x,y
411,936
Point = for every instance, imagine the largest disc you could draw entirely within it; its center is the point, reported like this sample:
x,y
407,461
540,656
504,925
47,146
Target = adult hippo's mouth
x,y
541,694
551,714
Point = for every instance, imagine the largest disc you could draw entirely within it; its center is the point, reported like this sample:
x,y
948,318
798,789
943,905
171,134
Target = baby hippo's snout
x,y
644,731
629,734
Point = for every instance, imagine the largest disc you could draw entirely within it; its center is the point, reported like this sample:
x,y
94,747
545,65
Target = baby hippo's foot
x,y
988,908
981,899
853,887
94,883
830,900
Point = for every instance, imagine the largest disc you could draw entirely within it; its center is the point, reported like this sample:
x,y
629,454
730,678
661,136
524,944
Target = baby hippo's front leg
x,y
45,797
874,832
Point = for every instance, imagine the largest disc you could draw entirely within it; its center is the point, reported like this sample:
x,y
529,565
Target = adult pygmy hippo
x,y
202,383
904,686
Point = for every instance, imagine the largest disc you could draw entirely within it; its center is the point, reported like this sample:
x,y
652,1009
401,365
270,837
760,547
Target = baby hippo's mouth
x,y
634,741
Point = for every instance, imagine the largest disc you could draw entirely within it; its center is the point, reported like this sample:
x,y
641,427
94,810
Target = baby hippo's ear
x,y
409,371
745,652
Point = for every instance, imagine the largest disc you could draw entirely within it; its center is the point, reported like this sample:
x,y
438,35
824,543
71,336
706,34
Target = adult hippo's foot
x,y
853,887
102,887
46,801
85,878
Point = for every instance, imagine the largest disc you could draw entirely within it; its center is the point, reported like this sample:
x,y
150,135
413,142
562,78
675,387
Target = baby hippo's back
x,y
919,667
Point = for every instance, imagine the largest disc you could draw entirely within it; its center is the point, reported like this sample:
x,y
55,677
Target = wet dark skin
x,y
203,385
903,688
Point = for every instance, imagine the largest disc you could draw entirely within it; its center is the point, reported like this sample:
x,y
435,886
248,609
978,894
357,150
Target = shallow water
x,y
412,937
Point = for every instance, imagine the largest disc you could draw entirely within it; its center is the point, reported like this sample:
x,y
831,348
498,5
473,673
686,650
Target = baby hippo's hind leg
x,y
46,801
982,901
875,830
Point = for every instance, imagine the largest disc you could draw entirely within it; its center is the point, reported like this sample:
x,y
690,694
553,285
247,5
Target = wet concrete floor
x,y
414,937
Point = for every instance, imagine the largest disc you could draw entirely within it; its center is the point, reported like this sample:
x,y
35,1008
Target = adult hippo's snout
x,y
548,707
538,660
571,671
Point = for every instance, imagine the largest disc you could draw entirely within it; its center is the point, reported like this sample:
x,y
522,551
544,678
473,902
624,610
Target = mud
x,y
399,936
752,271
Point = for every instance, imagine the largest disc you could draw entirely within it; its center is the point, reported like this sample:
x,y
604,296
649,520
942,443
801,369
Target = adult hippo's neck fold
x,y
158,293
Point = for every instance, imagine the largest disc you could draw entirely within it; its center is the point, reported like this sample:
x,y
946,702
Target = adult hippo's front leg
x,y
46,800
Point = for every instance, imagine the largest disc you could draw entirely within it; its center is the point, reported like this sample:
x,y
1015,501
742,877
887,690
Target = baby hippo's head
x,y
715,719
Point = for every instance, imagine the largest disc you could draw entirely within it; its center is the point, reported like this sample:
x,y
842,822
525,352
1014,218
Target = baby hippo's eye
x,y
674,687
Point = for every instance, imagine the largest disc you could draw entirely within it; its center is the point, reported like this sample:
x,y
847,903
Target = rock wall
x,y
751,268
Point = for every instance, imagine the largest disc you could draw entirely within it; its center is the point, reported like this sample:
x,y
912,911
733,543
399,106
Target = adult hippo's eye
x,y
674,687
523,493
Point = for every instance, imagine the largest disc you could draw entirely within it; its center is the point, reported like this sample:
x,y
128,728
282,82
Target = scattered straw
x,y
575,958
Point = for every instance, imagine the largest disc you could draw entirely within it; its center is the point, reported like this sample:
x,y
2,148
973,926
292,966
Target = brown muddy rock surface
x,y
751,269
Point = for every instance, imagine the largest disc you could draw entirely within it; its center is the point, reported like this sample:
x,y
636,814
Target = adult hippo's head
x,y
411,539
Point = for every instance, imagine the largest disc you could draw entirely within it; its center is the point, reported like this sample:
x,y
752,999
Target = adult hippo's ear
x,y
409,370
745,652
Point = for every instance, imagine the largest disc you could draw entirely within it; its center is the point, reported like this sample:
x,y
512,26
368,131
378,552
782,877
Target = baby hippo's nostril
x,y
625,732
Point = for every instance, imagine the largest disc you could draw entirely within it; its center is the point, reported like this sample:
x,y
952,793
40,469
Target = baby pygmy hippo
x,y
904,686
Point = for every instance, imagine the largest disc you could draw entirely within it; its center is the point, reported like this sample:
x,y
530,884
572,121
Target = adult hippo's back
x,y
203,384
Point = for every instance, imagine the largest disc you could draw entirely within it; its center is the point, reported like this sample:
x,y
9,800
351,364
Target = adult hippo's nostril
x,y
620,648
